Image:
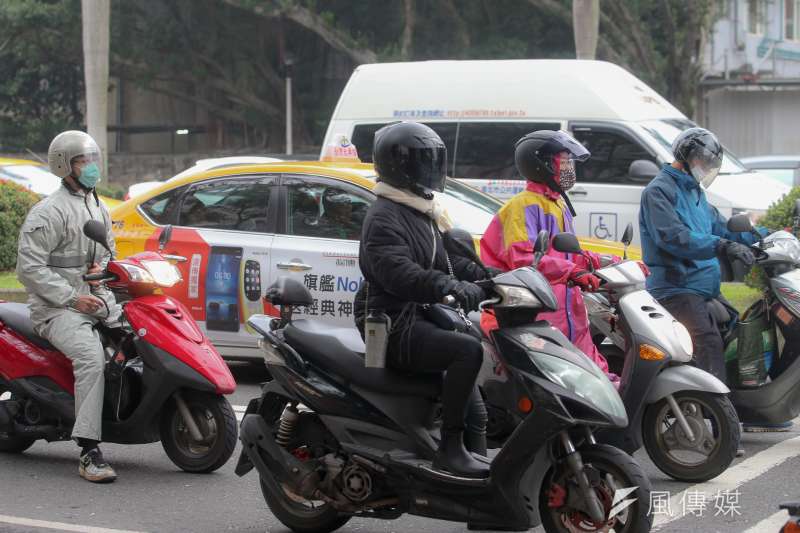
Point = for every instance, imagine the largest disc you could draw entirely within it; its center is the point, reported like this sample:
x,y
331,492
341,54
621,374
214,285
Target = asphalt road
x,y
40,491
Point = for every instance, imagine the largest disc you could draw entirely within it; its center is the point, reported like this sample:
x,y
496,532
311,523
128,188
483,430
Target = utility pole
x,y
586,25
95,15
287,70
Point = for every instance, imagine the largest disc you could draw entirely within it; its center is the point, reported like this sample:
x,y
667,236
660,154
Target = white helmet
x,y
68,145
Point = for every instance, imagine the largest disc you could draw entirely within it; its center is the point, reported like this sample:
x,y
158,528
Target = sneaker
x,y
767,428
95,469
740,452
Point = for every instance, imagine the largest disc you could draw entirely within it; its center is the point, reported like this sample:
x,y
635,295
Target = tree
x,y
41,80
95,24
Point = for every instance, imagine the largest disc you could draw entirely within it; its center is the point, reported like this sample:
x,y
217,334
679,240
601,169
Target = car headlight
x,y
516,297
163,273
684,338
593,387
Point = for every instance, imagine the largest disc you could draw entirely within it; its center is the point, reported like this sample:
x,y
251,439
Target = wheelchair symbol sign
x,y
603,225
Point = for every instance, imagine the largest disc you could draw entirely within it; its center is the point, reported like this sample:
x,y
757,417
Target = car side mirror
x,y
96,230
164,238
627,238
740,224
643,170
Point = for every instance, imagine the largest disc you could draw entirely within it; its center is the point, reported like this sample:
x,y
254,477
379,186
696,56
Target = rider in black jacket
x,y
404,263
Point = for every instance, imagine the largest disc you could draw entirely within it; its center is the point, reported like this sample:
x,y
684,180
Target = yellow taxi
x,y
36,177
236,229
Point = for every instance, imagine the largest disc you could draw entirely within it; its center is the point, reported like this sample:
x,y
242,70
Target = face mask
x,y
566,178
90,175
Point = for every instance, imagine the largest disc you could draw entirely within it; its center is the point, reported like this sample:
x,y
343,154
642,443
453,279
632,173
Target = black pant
x,y
691,310
426,348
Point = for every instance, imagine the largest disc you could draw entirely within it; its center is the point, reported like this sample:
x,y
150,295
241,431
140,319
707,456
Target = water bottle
x,y
376,338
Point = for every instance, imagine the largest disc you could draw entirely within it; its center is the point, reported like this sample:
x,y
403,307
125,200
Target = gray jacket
x,y
53,255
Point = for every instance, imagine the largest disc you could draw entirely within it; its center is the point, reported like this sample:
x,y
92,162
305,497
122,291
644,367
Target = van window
x,y
486,149
364,134
612,155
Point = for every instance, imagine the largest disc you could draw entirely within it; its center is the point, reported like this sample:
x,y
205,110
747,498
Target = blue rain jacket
x,y
680,231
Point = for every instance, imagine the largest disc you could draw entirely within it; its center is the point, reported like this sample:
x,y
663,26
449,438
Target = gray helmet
x,y
68,145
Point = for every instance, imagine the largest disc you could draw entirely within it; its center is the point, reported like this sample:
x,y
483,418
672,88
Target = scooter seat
x,y
18,317
341,352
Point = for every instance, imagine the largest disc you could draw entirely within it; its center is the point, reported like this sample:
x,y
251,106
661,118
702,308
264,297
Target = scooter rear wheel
x,y
298,514
713,415
13,444
217,422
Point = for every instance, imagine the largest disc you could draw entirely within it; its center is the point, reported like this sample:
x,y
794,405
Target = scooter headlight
x,y
516,297
594,387
684,338
137,273
163,273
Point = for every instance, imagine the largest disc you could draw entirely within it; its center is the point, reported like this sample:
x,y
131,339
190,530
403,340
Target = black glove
x,y
492,271
467,294
736,252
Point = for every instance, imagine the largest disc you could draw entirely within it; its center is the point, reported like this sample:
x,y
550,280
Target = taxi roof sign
x,y
341,150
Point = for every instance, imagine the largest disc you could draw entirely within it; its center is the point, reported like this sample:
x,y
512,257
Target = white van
x,y
481,108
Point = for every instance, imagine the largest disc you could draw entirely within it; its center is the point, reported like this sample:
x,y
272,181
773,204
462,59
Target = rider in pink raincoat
x,y
547,160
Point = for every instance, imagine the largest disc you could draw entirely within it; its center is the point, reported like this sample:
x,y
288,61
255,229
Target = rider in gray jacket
x,y
53,256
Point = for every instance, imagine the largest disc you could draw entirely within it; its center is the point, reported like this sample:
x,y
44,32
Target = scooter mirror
x,y
739,224
542,242
166,235
627,235
567,243
96,230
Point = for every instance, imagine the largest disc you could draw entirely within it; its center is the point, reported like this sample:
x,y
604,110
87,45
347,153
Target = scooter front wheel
x,y
621,487
216,421
704,454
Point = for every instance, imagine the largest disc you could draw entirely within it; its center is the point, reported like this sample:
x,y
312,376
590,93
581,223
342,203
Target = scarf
x,y
432,208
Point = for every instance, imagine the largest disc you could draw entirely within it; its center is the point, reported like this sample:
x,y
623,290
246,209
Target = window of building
x,y
791,20
757,16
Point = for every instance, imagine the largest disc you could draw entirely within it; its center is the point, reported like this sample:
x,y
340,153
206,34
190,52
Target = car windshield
x,y
470,210
664,131
34,177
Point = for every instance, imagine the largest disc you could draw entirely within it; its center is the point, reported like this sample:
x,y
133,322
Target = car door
x,y
317,243
224,227
606,196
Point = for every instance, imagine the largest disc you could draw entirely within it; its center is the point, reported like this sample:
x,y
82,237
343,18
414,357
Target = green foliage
x,y
779,215
41,80
15,202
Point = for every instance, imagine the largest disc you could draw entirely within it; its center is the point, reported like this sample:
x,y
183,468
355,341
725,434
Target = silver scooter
x,y
681,414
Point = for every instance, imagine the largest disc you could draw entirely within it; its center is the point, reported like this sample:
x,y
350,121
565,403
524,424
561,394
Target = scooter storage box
x,y
749,353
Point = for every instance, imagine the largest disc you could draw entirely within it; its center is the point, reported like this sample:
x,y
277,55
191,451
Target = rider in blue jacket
x,y
682,236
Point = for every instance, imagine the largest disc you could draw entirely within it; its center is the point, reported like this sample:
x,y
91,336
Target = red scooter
x,y
164,379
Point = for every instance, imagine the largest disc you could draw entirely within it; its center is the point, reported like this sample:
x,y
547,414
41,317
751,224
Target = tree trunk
x,y
586,24
409,18
96,17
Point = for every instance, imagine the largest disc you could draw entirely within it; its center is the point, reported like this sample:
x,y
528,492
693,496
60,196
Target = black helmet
x,y
410,156
535,155
700,152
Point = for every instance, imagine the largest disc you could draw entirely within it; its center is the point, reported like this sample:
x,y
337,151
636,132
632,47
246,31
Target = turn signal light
x,y
525,405
791,527
650,353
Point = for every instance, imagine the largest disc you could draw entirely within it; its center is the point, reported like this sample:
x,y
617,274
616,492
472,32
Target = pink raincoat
x,y
508,244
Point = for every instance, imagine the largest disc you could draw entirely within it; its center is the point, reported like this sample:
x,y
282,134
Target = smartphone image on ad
x,y
250,292
222,288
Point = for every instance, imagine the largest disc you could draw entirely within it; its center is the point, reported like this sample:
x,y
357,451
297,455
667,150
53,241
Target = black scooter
x,y
778,255
332,439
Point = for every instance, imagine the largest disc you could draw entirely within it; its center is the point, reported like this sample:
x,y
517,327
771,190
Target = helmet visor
x,y
564,142
704,165
429,166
